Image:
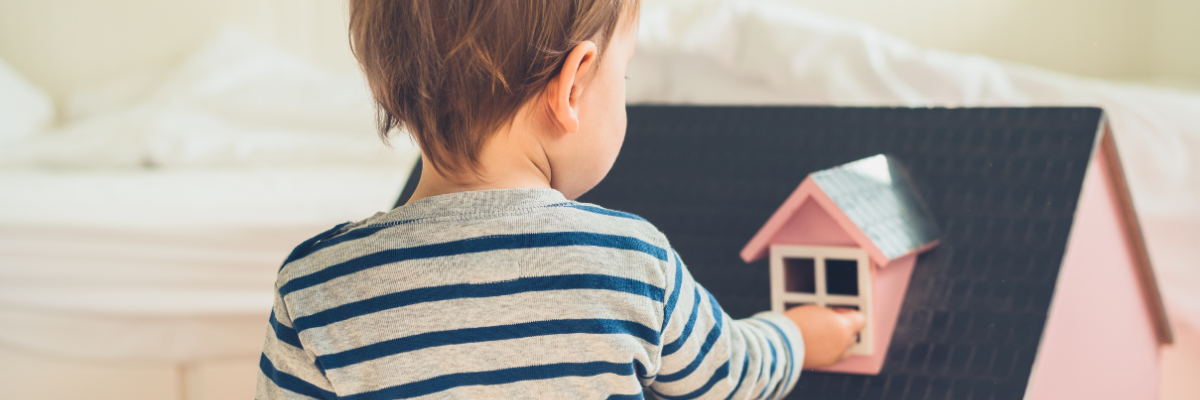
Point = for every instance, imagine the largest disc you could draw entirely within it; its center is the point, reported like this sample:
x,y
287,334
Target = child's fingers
x,y
852,318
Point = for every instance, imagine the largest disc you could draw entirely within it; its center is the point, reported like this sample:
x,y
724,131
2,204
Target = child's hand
x,y
828,333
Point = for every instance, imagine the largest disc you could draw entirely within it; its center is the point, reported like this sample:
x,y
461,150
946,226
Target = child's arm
x,y
288,370
706,354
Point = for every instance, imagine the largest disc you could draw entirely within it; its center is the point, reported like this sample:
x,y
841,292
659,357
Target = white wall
x,y
1138,40
1175,38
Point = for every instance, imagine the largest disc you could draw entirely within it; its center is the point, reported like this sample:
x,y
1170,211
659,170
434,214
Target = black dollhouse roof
x,y
878,196
1002,184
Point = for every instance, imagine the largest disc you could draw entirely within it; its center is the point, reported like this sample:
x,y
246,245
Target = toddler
x,y
491,283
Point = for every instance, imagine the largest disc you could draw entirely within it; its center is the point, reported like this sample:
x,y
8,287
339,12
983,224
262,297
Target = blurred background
x,y
159,158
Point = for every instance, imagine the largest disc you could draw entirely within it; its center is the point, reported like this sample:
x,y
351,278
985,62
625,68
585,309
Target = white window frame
x,y
780,297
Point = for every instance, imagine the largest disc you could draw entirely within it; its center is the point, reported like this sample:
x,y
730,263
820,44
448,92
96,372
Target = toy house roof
x,y
877,199
1003,185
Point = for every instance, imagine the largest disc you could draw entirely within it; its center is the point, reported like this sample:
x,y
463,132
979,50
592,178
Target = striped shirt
x,y
514,293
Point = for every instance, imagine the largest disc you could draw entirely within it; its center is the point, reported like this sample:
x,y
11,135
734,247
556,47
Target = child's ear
x,y
565,89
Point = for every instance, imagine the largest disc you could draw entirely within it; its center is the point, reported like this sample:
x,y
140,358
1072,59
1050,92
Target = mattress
x,y
151,224
171,265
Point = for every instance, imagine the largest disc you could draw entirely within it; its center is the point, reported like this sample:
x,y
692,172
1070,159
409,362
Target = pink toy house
x,y
1107,321
1034,282
848,237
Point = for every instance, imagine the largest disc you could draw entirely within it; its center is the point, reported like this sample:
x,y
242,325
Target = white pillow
x,y
24,108
250,82
237,101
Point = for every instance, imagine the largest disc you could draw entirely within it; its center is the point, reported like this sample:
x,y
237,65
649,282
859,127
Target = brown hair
x,y
454,71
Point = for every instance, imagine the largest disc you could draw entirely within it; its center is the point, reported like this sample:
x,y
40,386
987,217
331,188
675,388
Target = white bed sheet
x,y
25,109
199,198
162,265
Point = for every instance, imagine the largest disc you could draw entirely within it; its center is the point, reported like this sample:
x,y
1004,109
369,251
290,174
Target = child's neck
x,y
510,159
433,184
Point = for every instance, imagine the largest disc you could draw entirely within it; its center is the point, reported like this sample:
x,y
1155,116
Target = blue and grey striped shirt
x,y
514,293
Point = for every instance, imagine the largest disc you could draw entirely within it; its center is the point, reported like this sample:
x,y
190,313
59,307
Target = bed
x,y
151,229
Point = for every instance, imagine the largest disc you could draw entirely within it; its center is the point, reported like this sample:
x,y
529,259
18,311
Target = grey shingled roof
x,y
1002,183
878,196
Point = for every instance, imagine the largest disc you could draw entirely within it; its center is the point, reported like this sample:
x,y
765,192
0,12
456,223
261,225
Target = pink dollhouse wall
x,y
824,228
890,285
811,225
1100,341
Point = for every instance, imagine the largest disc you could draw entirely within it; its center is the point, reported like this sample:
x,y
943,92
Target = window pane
x,y
799,275
841,276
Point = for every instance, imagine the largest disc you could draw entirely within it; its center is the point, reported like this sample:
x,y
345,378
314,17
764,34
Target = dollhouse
x,y
1027,276
849,237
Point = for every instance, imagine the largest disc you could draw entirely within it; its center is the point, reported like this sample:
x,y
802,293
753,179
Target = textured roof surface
x,y
1001,183
878,195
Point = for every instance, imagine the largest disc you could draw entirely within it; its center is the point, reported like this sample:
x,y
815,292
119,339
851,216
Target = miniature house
x,y
1039,286
848,237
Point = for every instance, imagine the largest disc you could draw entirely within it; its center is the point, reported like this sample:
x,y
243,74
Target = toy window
x,y
800,275
841,276
827,276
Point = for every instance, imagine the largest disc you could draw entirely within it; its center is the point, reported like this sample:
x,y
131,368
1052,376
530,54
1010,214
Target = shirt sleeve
x,y
704,354
288,371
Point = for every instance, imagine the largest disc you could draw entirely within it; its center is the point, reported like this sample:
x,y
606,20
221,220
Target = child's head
x,y
457,72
